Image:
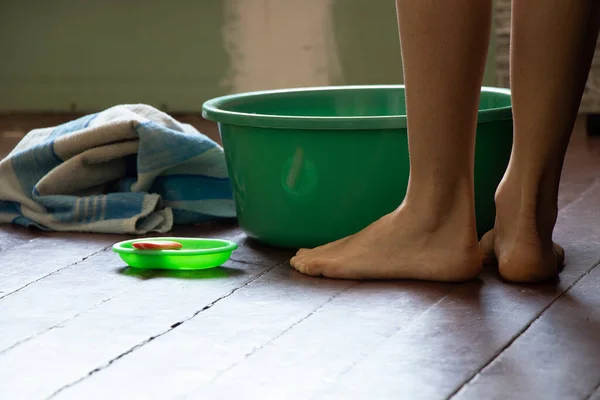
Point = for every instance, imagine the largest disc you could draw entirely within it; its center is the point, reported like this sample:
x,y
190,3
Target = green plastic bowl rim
x,y
216,110
228,247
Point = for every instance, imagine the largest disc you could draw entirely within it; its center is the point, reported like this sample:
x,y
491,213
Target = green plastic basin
x,y
313,165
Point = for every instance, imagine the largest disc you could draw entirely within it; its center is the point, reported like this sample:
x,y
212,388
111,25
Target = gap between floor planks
x,y
563,345
75,275
130,292
360,330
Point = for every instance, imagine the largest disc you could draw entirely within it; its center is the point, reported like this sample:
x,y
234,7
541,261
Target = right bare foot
x,y
402,245
521,241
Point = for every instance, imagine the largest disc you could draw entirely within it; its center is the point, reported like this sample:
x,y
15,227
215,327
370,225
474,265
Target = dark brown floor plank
x,y
317,311
11,236
558,356
115,327
22,265
452,345
215,340
412,340
582,165
391,357
33,255
8,140
51,302
71,291
252,252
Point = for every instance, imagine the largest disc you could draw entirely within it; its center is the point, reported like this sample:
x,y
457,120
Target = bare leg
x,y
552,45
432,234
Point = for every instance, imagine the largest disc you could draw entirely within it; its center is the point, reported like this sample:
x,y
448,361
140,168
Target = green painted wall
x,y
92,54
368,43
87,55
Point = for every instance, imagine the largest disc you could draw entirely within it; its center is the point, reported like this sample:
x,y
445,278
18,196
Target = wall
x,y
74,55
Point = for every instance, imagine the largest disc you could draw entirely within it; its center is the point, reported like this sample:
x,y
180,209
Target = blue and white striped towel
x,y
129,169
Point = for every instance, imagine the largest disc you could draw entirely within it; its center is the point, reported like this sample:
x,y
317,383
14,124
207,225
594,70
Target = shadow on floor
x,y
213,273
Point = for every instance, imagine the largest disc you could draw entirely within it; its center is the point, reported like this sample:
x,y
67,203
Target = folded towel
x,y
129,169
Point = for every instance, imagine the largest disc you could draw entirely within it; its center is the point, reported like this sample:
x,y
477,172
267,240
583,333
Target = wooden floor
x,y
76,324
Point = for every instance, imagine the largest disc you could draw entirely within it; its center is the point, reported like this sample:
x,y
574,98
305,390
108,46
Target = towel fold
x,y
129,169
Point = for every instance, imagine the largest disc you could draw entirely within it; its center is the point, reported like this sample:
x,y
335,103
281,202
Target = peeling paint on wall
x,y
280,44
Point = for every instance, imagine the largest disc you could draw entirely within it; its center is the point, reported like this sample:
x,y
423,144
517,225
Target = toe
x,y
296,262
487,249
305,266
560,256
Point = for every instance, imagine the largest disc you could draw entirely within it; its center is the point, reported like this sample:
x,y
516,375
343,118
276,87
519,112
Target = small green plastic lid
x,y
196,253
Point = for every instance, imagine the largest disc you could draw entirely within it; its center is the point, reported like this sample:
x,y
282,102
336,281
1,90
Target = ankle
x,y
453,225
523,205
438,201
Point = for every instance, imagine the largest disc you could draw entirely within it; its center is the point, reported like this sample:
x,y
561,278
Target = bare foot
x,y
521,242
398,246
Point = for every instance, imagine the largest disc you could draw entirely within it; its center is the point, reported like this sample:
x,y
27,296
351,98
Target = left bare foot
x,y
521,242
399,246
